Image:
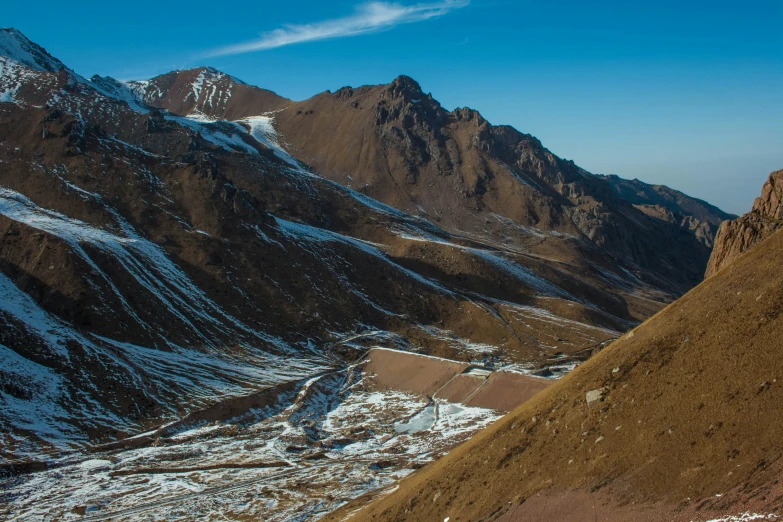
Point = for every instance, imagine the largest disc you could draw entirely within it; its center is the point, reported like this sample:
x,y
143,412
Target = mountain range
x,y
171,245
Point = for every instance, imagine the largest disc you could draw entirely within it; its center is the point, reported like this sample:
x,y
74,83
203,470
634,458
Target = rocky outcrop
x,y
738,236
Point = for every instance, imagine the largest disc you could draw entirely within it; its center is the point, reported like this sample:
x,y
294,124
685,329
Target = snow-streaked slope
x,y
262,129
146,262
54,412
20,49
37,404
316,446
174,377
313,236
112,88
13,75
221,133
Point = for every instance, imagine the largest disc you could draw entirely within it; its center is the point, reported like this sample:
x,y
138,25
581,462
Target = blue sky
x,y
687,93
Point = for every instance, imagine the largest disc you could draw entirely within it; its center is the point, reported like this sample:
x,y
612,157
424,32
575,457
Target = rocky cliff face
x,y
736,237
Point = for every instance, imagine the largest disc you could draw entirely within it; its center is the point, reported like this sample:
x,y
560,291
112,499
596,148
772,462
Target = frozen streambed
x,y
427,418
423,420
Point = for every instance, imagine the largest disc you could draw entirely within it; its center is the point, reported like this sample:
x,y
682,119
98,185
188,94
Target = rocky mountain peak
x,y
405,87
402,102
468,114
770,203
420,158
208,92
736,237
212,74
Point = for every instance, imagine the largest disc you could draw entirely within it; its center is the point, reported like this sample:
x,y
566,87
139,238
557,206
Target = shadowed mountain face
x,y
659,201
677,420
154,262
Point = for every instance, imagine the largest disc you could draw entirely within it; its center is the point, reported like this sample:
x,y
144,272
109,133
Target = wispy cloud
x,y
369,18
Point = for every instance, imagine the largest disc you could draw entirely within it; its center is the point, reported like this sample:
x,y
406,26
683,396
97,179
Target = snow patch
x,y
121,91
263,131
218,132
746,517
36,406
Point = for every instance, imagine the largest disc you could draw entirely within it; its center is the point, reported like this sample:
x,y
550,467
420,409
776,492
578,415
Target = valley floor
x,y
292,452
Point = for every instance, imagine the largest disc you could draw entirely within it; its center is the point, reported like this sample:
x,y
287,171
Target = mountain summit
x,y
469,175
209,92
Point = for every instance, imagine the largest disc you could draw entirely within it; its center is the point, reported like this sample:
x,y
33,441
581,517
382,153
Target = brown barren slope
x,y
689,426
